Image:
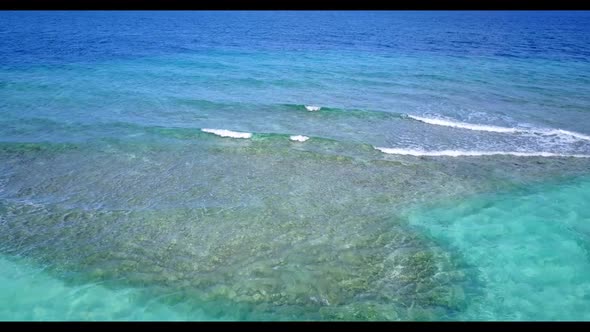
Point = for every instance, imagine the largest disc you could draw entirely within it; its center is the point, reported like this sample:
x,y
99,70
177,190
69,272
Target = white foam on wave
x,y
227,133
497,129
463,125
560,132
462,153
312,108
298,138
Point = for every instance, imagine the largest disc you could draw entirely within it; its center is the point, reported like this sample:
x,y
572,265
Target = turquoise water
x,y
148,169
530,249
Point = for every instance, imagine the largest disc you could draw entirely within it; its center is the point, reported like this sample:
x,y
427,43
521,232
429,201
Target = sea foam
x,y
561,132
227,133
463,153
463,125
298,138
312,108
497,129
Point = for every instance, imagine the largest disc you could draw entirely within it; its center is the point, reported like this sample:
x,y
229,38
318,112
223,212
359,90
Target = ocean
x,y
294,165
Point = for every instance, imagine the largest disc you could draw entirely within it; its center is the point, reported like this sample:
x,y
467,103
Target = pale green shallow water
x,y
286,231
530,249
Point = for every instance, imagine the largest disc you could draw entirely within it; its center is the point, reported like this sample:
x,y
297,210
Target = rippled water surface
x,y
294,165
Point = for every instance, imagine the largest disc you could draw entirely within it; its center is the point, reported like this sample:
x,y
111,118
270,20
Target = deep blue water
x,y
444,175
38,38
